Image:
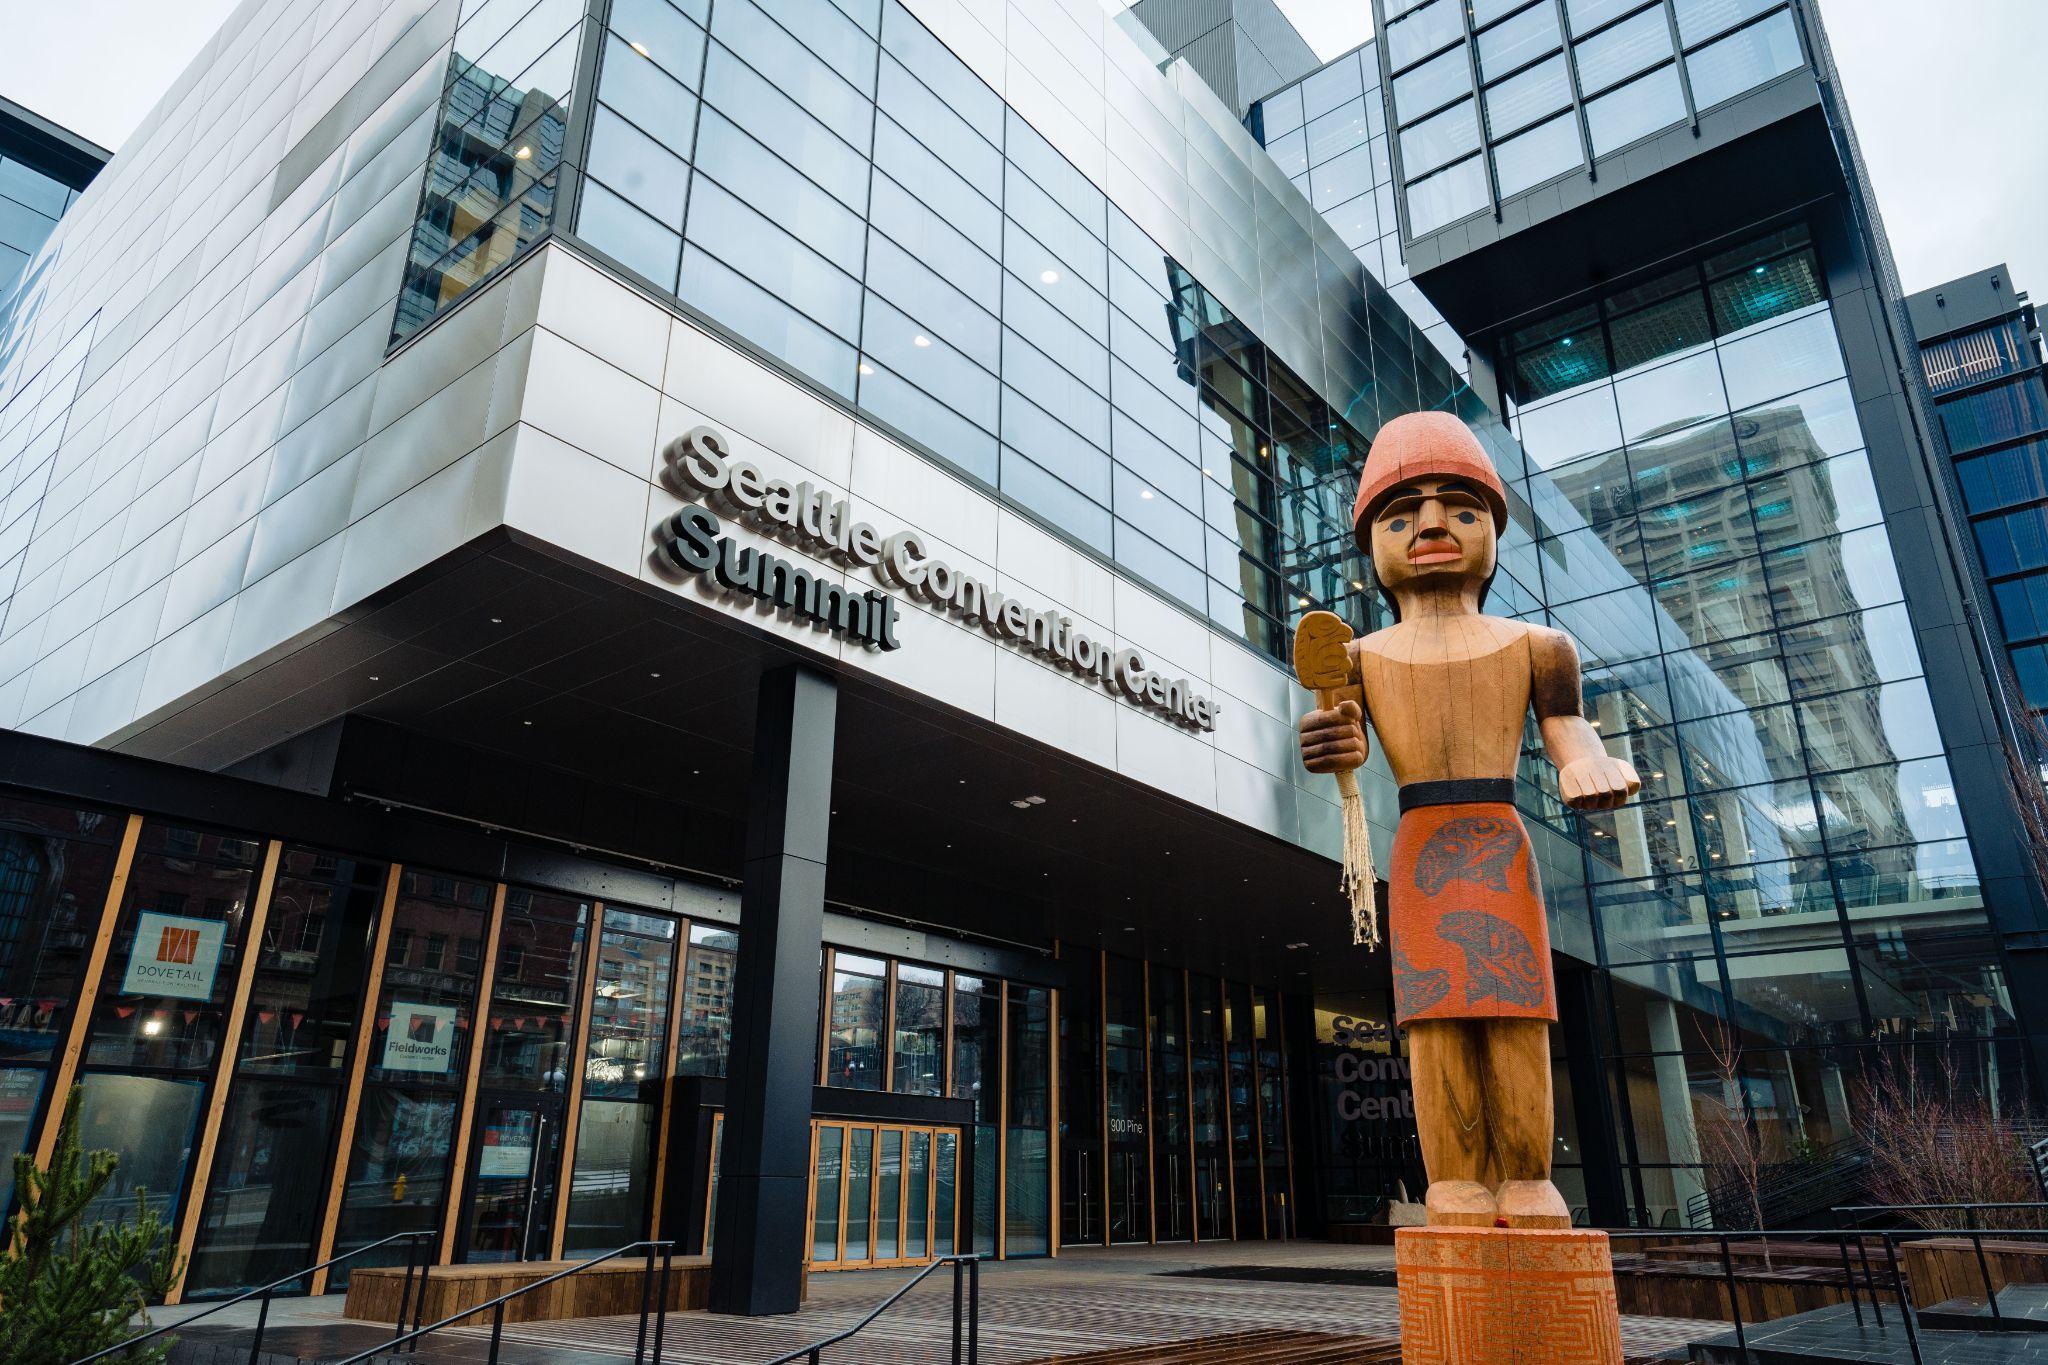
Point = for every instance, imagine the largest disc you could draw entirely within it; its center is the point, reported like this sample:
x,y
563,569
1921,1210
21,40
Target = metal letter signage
x,y
702,464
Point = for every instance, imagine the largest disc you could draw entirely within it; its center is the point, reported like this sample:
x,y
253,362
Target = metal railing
x,y
267,1291
1890,1238
969,1266
653,1303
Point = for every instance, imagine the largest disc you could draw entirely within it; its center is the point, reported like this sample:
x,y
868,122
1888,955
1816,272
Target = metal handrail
x,y
972,1263
1890,1237
496,1307
267,1290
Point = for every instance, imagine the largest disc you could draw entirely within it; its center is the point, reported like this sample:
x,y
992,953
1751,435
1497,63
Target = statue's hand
x,y
1333,741
1601,782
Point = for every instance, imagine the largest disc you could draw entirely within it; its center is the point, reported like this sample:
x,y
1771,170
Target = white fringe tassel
x,y
1358,876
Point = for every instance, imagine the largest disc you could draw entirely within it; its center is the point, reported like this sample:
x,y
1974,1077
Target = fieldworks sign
x,y
692,543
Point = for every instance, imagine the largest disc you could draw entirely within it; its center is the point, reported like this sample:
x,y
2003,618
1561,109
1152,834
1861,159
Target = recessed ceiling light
x,y
1145,493
497,620
654,675
640,48
866,368
1048,277
920,340
1210,472
375,678
1021,805
524,154
526,722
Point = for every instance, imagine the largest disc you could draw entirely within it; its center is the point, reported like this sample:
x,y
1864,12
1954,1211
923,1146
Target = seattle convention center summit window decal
x,y
690,542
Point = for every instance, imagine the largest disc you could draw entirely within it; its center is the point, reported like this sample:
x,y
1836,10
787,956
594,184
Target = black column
x,y
1600,1146
765,1157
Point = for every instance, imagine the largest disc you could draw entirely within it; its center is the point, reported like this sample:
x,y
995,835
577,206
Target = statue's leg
x,y
1447,1066
1520,1119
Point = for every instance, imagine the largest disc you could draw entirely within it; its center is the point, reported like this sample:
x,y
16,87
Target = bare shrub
x,y
1935,1138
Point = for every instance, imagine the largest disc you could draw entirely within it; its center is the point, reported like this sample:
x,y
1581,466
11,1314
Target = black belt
x,y
1457,791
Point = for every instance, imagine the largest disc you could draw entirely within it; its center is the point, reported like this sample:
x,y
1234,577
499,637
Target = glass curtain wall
x,y
1246,1165
30,205
1991,393
1496,97
270,1172
56,867
832,184
1794,880
1273,1114
162,1010
1127,1072
497,155
705,1036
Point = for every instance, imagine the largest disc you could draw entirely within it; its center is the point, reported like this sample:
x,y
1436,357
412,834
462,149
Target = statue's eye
x,y
1398,524
1468,517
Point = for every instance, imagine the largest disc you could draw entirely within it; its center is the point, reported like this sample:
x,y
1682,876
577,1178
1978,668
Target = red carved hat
x,y
1421,445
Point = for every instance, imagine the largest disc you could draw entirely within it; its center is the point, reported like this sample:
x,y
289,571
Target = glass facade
x,y
1794,884
1328,132
1492,99
1990,389
31,202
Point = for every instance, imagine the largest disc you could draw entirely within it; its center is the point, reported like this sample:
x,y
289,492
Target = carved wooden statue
x,y
1448,690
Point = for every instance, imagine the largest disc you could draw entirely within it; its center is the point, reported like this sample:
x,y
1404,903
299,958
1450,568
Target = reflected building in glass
x,y
43,170
1648,224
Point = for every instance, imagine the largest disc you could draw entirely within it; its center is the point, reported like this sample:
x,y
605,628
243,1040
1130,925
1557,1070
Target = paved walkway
x,y
1085,1301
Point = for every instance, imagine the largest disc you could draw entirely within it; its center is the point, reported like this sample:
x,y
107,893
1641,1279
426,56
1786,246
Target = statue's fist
x,y
1601,782
1333,740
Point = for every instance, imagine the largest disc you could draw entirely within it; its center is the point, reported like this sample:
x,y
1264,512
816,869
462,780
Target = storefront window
x,y
270,1172
920,1031
531,1024
612,1172
56,863
306,997
419,1050
151,1123
853,1058
270,1178
705,1036
172,960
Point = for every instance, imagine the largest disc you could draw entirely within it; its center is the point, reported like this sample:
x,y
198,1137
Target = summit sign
x,y
692,542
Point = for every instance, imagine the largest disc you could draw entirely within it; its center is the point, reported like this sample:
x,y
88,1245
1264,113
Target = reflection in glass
x,y
705,1003
149,1123
268,1190
853,1057
1636,110
888,1194
825,1193
860,1175
1744,60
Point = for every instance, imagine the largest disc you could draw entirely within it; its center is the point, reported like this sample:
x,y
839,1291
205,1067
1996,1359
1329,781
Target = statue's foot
x,y
1460,1204
1531,1204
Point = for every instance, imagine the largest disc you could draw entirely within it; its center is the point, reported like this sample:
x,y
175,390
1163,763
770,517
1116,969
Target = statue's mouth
x,y
1434,552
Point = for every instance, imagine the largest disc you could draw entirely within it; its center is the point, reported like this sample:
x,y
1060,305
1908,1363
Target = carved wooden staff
x,y
1322,663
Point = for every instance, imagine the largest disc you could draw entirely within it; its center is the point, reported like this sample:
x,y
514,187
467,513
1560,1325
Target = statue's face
x,y
1433,528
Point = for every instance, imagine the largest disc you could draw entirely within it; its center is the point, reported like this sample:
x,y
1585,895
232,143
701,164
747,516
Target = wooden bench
x,y
608,1290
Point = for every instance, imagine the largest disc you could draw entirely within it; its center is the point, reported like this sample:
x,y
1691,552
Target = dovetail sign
x,y
691,542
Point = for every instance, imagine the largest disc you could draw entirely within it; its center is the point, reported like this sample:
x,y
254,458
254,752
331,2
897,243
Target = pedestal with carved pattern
x,y
1506,1296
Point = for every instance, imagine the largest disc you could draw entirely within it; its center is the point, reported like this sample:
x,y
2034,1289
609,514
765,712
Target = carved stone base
x,y
1506,1296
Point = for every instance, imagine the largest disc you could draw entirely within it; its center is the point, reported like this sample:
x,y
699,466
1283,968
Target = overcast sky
x,y
1947,100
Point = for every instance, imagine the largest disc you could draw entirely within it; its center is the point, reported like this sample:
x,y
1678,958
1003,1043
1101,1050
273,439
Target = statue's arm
x,y
1333,738
1588,777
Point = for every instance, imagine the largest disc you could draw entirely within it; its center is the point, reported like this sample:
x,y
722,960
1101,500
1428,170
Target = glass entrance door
x,y
517,1159
882,1194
